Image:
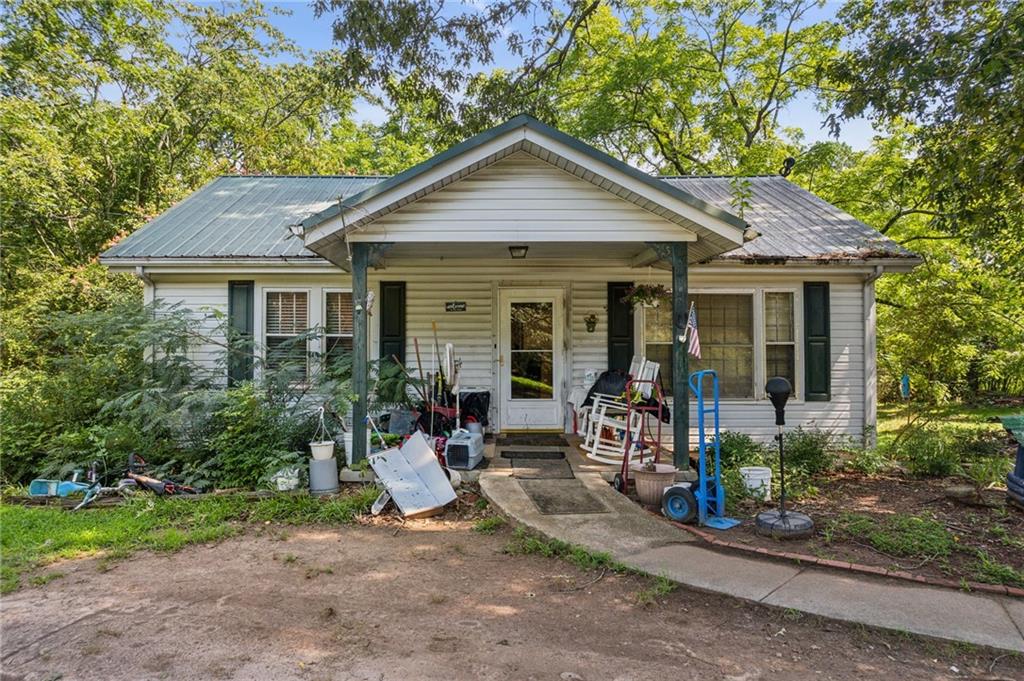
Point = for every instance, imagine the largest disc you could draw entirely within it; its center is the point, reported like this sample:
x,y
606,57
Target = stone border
x,y
802,558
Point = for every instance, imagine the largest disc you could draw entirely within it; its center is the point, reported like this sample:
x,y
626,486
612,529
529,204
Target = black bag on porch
x,y
613,382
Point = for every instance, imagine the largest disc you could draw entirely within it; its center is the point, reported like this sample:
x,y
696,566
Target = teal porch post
x,y
360,359
680,358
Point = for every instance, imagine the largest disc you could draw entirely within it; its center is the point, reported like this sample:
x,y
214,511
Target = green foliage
x,y
257,437
525,543
297,509
927,451
895,535
739,449
991,570
809,451
489,525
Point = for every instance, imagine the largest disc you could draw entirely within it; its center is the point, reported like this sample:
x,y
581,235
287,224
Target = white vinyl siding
x,y
208,305
475,336
525,200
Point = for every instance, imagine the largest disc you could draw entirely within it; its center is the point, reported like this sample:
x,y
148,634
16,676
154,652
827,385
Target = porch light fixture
x,y
518,252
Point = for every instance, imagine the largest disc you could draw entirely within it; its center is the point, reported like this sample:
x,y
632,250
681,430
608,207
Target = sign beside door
x,y
531,360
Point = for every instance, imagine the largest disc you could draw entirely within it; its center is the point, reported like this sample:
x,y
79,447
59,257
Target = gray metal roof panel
x,y
250,216
792,222
239,216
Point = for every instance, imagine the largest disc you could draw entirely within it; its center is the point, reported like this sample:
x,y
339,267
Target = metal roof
x,y
240,216
792,222
250,216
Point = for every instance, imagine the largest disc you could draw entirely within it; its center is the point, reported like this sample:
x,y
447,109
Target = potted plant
x,y
646,295
651,480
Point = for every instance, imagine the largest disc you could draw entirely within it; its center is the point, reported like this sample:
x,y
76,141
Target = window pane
x,y
286,312
532,376
725,323
778,318
780,362
287,353
662,354
339,313
658,323
532,326
336,347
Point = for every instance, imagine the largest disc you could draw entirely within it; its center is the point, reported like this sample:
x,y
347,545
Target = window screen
x,y
337,324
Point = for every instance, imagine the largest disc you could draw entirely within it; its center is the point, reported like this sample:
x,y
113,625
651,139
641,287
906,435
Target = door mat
x,y
562,497
532,440
535,454
541,469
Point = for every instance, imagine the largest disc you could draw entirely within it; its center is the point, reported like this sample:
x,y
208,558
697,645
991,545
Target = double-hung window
x,y
286,323
780,336
337,324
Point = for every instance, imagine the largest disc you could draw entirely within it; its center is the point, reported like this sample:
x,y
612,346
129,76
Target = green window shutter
x,y
392,320
620,327
817,343
241,296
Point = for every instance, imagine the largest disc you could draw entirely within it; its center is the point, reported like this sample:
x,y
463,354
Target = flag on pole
x,y
691,331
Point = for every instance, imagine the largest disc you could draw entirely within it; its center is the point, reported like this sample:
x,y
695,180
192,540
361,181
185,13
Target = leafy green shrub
x,y
809,451
981,443
926,451
739,449
256,437
869,461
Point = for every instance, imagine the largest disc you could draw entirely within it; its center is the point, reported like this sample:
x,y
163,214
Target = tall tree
x,y
955,71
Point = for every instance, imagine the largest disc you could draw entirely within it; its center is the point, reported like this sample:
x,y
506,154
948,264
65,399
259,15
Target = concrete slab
x,y
931,611
624,532
1015,608
709,570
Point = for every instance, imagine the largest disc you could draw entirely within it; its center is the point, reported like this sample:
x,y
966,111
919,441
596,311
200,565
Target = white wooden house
x,y
511,242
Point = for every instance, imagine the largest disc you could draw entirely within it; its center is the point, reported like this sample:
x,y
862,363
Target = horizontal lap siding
x,y
207,303
527,200
430,285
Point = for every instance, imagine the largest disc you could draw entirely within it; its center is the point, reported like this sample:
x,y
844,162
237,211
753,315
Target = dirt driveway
x,y
433,600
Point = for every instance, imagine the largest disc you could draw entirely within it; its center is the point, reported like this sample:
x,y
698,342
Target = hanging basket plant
x,y
646,295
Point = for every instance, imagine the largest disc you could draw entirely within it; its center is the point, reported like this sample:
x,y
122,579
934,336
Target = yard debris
x,y
413,477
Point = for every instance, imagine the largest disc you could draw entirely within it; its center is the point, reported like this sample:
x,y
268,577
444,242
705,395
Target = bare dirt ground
x,y
430,600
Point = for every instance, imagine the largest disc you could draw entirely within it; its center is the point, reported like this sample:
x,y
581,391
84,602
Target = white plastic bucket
x,y
758,480
322,450
347,438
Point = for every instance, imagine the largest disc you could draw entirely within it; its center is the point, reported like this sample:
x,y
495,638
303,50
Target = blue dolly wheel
x,y
679,504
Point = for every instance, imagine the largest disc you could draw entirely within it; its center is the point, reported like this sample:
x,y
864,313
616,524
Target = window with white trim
x,y
337,324
725,324
286,316
780,336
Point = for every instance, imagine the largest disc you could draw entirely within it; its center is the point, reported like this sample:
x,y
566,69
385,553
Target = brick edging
x,y
803,558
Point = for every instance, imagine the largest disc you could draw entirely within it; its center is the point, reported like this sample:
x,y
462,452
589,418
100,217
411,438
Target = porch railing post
x,y
360,358
680,359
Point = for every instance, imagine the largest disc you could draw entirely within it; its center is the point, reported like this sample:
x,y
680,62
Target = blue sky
x,y
313,34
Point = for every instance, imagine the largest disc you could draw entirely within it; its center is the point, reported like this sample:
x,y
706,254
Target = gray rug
x,y
561,497
541,469
535,454
531,440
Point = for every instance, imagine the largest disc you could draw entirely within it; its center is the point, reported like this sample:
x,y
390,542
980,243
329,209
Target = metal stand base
x,y
787,525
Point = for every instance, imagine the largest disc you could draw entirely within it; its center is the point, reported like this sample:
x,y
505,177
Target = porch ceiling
x,y
635,254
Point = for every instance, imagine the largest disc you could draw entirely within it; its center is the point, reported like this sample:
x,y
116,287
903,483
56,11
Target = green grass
x,y
893,417
33,537
489,525
897,535
659,588
524,543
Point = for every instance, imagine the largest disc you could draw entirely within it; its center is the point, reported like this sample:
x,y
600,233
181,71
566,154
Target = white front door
x,y
531,359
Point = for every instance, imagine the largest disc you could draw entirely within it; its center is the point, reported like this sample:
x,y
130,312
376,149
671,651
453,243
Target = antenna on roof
x,y
787,166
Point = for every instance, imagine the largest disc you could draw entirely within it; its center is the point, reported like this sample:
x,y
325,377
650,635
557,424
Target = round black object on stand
x,y
782,524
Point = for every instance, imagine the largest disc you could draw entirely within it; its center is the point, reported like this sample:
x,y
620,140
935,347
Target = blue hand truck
x,y
705,498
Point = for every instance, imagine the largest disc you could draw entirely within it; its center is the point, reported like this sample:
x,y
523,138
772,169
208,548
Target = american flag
x,y
691,330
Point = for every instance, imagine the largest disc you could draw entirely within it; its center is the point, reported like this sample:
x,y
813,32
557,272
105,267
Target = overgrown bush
x,y
809,450
739,449
256,437
932,450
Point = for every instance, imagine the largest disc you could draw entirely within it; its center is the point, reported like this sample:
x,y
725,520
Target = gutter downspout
x,y
871,359
140,272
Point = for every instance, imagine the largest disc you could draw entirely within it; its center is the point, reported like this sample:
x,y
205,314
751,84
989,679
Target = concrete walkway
x,y
642,541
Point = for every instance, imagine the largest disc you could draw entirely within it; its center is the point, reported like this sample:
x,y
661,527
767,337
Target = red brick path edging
x,y
710,538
